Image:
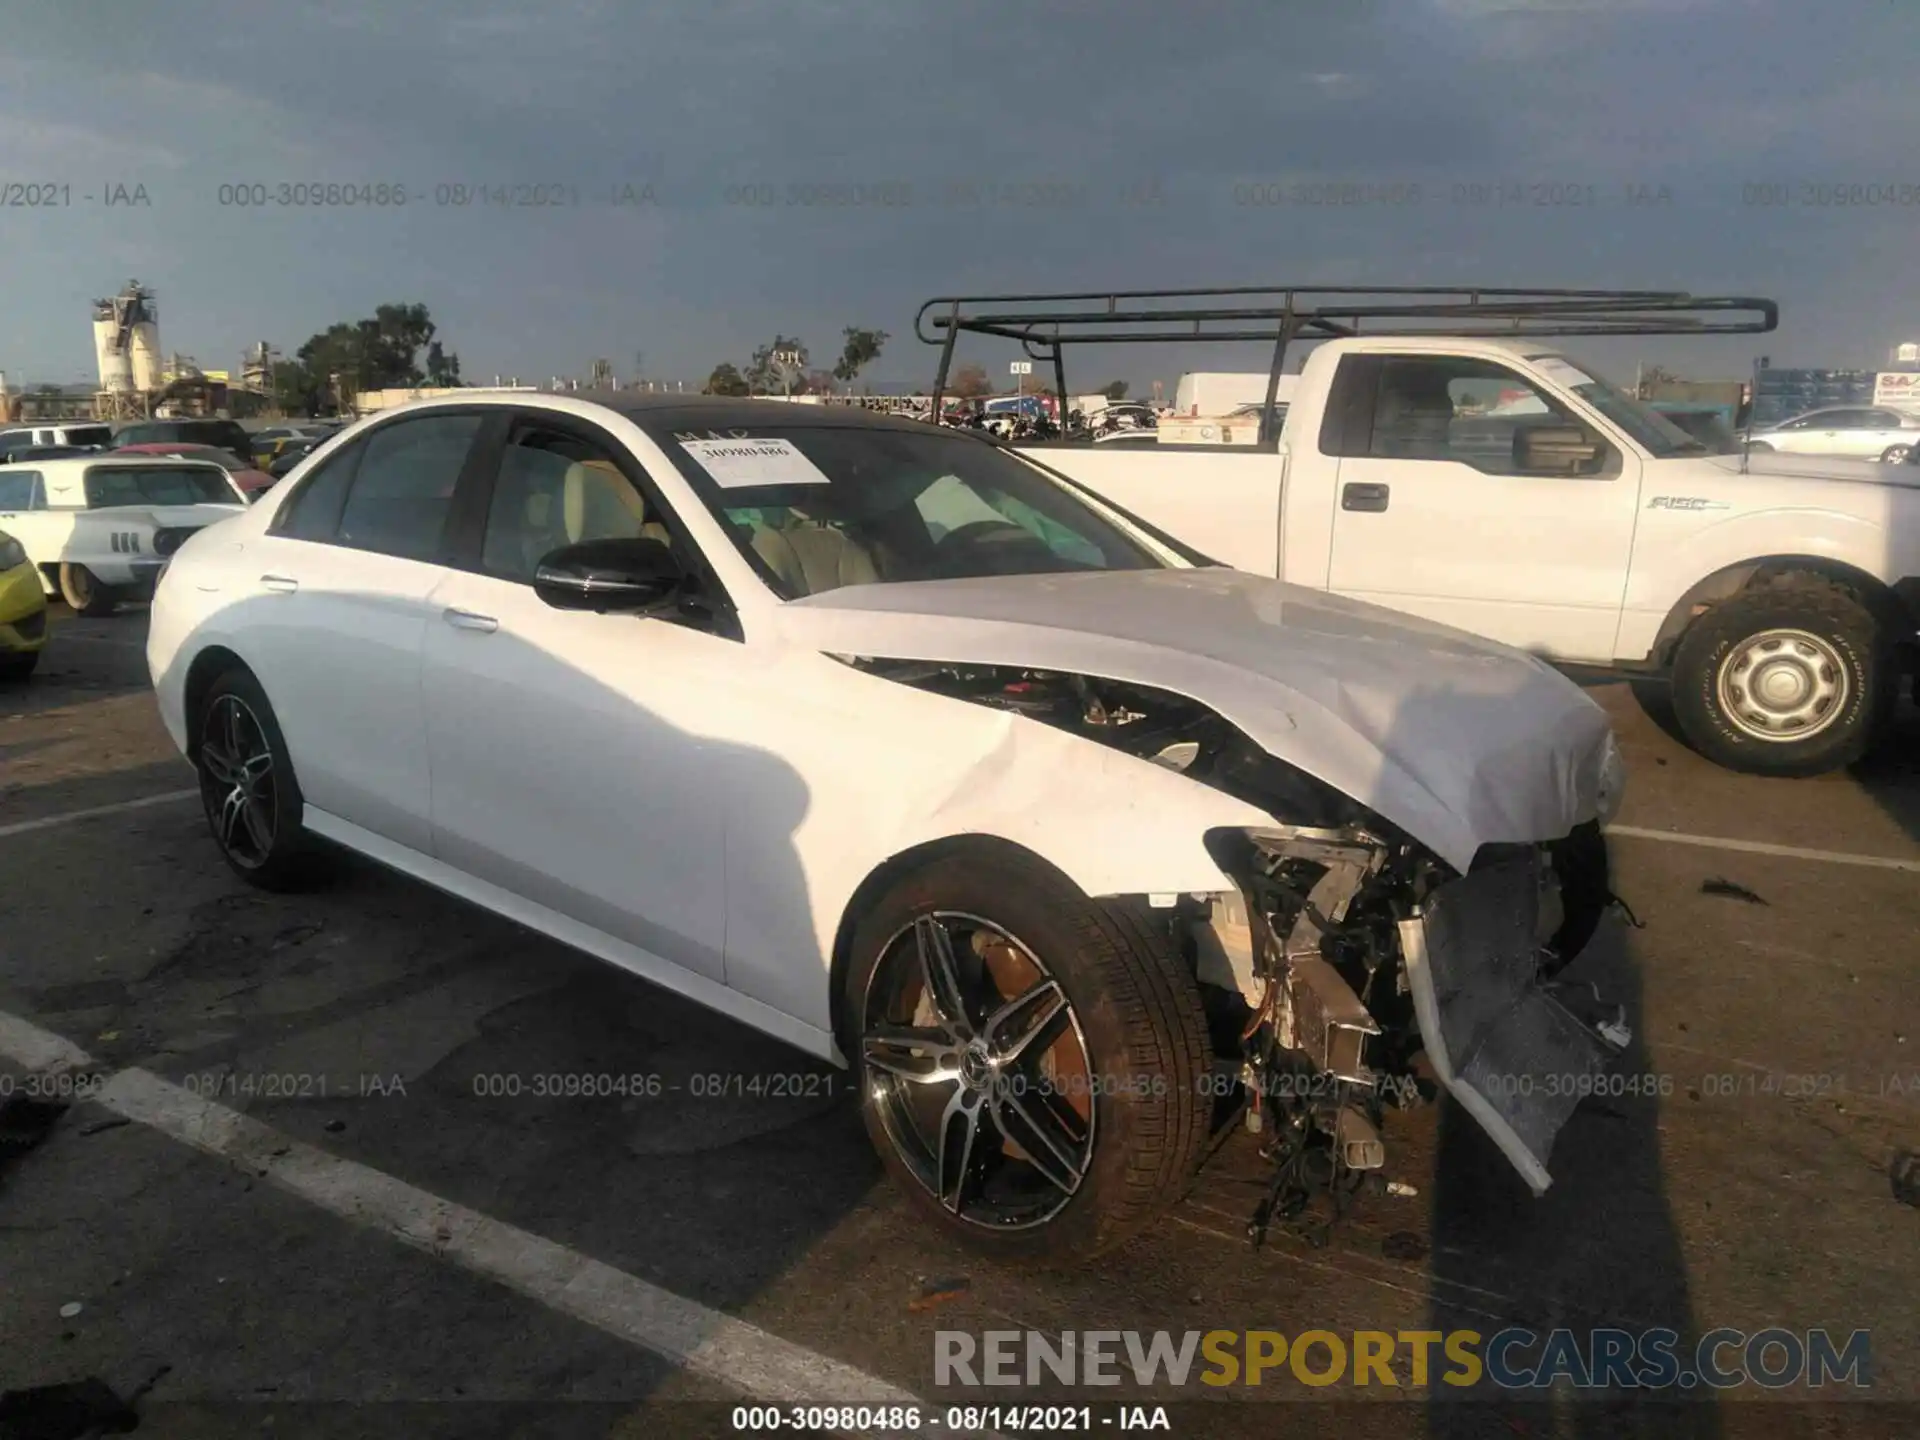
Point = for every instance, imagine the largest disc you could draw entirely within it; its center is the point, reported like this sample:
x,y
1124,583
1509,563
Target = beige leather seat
x,y
809,558
597,503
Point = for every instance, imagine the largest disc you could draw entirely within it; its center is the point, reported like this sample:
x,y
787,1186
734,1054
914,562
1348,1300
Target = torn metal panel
x,y
1459,741
1511,1053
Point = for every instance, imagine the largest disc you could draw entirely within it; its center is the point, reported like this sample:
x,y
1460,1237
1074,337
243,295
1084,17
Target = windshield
x,y
817,507
1658,435
157,485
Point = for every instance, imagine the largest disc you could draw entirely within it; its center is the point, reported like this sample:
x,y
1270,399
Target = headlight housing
x,y
12,553
1613,780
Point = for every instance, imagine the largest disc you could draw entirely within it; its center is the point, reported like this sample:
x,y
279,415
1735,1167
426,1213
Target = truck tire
x,y
1041,1141
84,594
1791,678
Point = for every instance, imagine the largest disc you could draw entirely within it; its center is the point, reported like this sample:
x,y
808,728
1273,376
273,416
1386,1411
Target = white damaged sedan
x,y
1074,847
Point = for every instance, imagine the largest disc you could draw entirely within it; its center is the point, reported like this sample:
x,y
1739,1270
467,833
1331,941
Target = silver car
x,y
1866,432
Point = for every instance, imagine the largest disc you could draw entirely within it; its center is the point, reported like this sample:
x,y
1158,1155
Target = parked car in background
x,y
23,611
99,529
1859,431
269,442
78,432
48,452
226,435
289,456
252,481
881,740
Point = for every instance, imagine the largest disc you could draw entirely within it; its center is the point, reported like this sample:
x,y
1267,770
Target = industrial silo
x,y
110,350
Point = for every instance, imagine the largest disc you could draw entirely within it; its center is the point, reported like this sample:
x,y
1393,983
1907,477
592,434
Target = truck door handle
x,y
467,620
1363,497
280,584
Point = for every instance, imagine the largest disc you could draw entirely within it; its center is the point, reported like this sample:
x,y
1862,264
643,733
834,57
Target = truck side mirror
x,y
1555,450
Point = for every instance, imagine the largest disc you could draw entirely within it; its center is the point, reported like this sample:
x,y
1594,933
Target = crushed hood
x,y
1776,463
1459,741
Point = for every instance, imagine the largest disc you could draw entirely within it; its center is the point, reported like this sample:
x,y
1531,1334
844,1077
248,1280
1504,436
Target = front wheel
x,y
1794,678
1033,1064
84,593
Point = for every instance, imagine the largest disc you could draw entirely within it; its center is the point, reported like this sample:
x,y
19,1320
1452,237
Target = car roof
x,y
674,411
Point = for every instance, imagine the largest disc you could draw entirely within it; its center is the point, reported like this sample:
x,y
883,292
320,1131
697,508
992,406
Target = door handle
x,y
1363,497
467,620
280,584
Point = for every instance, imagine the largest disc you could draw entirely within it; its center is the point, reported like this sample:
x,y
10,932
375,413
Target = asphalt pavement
x,y
367,1161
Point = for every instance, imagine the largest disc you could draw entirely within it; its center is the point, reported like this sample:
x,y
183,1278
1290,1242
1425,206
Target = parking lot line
x,y
47,822
706,1342
1757,847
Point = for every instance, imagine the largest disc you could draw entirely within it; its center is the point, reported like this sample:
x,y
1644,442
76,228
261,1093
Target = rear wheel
x,y
82,590
247,785
1032,1063
1895,454
1791,678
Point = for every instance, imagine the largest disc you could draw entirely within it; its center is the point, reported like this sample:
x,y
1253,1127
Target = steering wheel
x,y
978,529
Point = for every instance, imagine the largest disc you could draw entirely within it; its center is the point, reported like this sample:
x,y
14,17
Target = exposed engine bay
x,y
1352,972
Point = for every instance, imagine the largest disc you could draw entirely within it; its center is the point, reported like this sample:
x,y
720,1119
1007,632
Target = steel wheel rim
x,y
1896,455
1783,685
236,781
967,1081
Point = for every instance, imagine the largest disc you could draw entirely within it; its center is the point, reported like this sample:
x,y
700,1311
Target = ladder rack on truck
x,y
1045,324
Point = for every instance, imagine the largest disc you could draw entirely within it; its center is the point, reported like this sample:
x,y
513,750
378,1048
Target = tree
x,y
764,375
969,382
1115,390
725,380
862,349
443,370
378,353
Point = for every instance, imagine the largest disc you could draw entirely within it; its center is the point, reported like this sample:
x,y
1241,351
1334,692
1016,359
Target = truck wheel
x,y
85,594
1032,1063
1792,678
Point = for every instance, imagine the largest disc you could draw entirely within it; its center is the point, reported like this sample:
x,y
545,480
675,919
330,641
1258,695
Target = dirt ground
x,y
1749,1189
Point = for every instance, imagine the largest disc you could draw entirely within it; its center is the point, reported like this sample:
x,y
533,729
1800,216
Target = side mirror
x,y
1554,449
627,575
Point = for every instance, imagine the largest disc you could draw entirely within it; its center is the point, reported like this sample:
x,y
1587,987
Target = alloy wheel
x,y
237,781
979,1071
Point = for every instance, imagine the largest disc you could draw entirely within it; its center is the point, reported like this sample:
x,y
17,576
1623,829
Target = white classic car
x,y
100,528
1074,846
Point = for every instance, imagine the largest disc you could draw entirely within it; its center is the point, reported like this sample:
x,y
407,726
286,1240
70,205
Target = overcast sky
x,y
1132,135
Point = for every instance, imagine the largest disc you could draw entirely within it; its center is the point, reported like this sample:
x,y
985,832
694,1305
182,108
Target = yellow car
x,y
23,611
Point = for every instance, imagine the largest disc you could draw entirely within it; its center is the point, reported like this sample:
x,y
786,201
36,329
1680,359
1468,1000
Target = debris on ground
x,y
1905,1173
1404,1245
70,1309
938,1292
113,1123
1714,885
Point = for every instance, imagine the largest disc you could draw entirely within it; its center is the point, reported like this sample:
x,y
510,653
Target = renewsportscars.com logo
x,y
1513,1359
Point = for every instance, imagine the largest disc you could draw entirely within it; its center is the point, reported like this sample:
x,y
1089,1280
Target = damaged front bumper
x,y
1515,1057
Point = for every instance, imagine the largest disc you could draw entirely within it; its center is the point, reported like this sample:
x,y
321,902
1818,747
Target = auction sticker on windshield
x,y
742,464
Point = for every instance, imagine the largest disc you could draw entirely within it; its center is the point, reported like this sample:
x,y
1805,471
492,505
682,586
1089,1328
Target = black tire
x,y
1139,1022
18,665
84,593
1895,454
286,859
1858,658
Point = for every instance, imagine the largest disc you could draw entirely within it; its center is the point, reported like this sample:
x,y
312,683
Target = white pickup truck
x,y
1496,485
